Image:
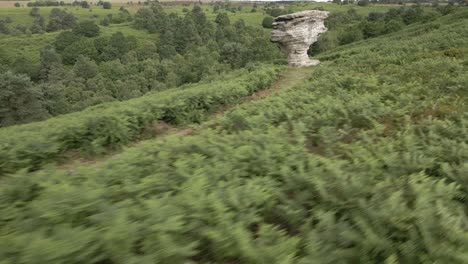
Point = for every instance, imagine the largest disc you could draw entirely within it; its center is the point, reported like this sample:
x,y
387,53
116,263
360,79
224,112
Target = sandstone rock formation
x,y
296,32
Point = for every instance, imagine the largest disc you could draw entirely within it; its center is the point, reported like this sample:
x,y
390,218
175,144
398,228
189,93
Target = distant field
x,y
21,15
10,3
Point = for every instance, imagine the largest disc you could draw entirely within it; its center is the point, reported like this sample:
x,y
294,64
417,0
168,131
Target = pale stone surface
x,y
296,32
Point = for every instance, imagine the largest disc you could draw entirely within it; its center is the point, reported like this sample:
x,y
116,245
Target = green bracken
x,y
365,161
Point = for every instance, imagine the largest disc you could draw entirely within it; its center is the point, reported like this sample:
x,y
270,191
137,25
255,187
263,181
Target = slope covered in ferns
x,y
364,162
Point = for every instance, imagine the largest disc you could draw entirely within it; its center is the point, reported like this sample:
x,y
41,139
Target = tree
x,y
38,25
373,29
84,4
184,35
49,59
86,28
267,22
59,20
34,12
20,101
200,62
113,70
84,46
412,15
153,19
64,39
56,98
17,5
4,27
24,65
144,18
375,16
239,25
85,67
117,46
222,19
19,29
68,20
104,22
199,17
147,51
394,25
275,12
349,35
231,54
107,5
363,3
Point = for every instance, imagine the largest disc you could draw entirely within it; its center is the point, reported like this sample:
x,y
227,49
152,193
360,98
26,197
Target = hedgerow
x,y
114,124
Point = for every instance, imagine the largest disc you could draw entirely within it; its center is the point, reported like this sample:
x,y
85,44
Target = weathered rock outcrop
x,y
296,32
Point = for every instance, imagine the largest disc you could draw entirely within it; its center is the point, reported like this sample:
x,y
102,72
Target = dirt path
x,y
289,78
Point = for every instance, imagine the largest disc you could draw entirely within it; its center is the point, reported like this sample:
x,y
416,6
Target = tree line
x,y
59,19
82,68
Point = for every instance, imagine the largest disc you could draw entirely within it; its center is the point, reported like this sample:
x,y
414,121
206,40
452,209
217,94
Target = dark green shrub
x,y
267,22
86,28
363,3
107,5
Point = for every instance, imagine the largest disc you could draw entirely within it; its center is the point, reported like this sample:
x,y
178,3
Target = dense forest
x,y
179,135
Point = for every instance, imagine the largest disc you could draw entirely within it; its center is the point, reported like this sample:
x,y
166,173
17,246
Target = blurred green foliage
x,y
114,124
364,162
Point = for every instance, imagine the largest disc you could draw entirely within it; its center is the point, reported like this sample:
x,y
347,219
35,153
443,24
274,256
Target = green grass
x,y
127,29
27,46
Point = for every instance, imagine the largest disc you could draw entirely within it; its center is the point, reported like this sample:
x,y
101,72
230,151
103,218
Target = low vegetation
x,y
365,161
112,125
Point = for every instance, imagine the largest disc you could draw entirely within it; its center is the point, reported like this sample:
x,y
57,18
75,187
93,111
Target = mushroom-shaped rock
x,y
296,32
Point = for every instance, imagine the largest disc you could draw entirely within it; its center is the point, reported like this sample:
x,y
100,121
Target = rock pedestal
x,y
296,32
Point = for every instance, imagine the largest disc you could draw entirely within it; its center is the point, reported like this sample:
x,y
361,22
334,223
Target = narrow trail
x,y
289,78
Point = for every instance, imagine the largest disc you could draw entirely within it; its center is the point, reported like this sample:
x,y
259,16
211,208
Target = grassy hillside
x,y
365,161
24,45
